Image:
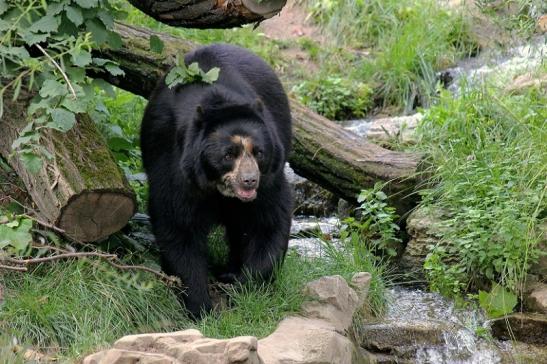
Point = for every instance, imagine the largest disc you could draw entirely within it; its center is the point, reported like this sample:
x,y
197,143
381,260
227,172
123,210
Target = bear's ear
x,y
258,105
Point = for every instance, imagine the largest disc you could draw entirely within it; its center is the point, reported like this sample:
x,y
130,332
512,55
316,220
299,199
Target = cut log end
x,y
92,216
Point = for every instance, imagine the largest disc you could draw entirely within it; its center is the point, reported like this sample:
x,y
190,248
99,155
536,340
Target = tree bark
x,y
323,151
209,13
81,190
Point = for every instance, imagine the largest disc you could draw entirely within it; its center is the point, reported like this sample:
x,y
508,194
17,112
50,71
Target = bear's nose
x,y
249,180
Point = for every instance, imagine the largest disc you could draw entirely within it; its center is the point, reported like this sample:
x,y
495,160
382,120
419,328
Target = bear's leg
x,y
184,254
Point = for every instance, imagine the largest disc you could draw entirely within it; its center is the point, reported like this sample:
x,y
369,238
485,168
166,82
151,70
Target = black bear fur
x,y
187,140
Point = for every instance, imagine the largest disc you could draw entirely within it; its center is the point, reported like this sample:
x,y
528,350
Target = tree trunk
x,y
81,190
208,14
323,151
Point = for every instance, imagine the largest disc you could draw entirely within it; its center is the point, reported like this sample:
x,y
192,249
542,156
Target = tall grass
x,y
75,307
490,167
408,41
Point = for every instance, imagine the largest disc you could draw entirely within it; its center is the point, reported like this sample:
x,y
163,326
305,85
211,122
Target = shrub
x,y
335,98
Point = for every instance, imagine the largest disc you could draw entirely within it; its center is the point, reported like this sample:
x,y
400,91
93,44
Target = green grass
x,y
72,308
489,166
75,307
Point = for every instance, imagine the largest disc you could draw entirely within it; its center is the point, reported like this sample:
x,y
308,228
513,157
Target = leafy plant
x,y
488,175
15,233
335,98
182,74
498,302
375,227
45,48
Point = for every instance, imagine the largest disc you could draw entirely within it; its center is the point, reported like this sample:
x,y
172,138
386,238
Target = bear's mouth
x,y
245,195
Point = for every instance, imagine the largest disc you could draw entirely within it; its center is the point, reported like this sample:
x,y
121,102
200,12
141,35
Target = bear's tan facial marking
x,y
242,181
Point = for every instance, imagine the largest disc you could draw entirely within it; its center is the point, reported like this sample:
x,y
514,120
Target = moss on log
x,y
81,190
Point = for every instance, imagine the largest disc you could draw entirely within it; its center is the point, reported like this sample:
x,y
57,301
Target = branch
x,y
112,259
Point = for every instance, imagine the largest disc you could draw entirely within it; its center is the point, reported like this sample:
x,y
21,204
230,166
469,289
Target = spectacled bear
x,y
214,155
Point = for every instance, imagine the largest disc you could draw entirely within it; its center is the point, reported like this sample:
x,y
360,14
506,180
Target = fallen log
x,y
207,14
81,190
323,151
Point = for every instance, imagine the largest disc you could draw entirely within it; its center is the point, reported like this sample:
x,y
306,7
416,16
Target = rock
x,y
332,300
360,282
118,356
542,23
402,338
527,81
182,347
522,353
527,328
300,340
159,341
423,227
536,299
540,267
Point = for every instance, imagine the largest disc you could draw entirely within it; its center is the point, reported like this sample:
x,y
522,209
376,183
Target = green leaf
x,y
46,24
156,44
99,34
75,105
114,70
81,58
106,18
31,161
3,7
51,88
62,120
498,302
211,76
114,40
193,69
32,38
87,4
18,237
74,15
4,25
171,77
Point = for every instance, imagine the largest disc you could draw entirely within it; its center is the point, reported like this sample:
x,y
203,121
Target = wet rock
x,y
536,300
402,338
527,328
522,353
423,227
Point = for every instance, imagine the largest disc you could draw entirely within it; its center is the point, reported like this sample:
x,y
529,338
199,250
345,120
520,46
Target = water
x,y
454,329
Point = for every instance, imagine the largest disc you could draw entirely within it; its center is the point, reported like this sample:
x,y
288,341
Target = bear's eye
x,y
259,154
228,156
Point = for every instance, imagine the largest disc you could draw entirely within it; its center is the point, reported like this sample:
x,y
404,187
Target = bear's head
x,y
234,147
